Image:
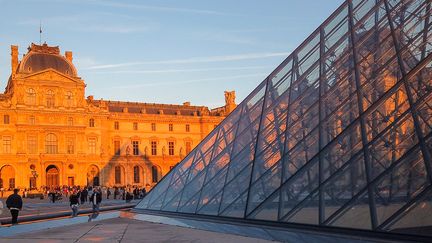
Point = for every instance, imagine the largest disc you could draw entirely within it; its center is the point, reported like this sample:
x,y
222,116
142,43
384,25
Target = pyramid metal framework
x,y
338,135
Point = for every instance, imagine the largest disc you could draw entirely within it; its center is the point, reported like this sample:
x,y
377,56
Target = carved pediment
x,y
50,74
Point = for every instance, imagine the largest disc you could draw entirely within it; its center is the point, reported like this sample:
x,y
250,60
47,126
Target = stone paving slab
x,y
126,230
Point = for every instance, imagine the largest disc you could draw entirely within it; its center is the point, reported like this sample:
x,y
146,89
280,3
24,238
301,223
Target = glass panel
x,y
386,112
191,190
298,187
158,193
269,210
301,154
336,28
233,189
308,212
416,218
421,83
211,207
264,186
393,144
401,184
280,82
344,185
341,150
213,188
237,208
357,210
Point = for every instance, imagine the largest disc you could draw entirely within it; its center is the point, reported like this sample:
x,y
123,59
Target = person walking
x,y
14,204
73,199
83,195
108,192
96,199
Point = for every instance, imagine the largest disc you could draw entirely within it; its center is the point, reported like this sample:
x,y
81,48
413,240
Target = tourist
x,y
116,192
53,196
90,192
73,199
144,192
14,204
83,196
96,199
108,193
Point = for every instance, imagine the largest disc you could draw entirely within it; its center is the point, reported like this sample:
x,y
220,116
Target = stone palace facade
x,y
51,135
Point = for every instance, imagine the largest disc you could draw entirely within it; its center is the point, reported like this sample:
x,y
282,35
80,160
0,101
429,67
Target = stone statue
x,y
181,151
230,97
128,150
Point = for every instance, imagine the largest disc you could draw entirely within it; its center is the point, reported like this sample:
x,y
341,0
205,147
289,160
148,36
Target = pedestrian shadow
x,y
93,216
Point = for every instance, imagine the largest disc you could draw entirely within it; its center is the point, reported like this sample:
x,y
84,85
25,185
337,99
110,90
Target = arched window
x,y
69,99
117,176
31,97
51,143
50,99
136,171
155,173
91,122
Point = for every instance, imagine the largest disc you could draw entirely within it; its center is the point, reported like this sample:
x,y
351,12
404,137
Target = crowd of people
x,y
77,196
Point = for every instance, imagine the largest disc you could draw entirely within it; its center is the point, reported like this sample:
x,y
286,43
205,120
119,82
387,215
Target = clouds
x,y
193,60
193,70
143,84
141,7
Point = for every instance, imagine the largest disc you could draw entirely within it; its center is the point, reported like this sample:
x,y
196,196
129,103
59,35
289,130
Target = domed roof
x,y
43,57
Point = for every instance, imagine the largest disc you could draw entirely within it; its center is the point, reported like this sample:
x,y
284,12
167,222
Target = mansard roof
x,y
153,108
42,57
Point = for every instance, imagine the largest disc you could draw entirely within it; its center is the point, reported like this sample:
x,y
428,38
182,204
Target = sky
x,y
164,51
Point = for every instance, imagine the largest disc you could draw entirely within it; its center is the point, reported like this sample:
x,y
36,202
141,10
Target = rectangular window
x,y
91,122
135,146
32,120
92,145
153,148
117,147
32,144
70,121
116,125
188,147
7,144
135,126
153,127
6,119
171,148
187,128
70,145
170,127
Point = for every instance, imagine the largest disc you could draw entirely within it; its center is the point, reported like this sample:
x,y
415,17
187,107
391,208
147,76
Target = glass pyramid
x,y
340,134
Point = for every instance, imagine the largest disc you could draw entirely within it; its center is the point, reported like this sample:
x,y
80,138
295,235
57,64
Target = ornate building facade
x,y
52,135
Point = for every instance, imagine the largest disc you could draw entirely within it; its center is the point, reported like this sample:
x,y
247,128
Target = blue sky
x,y
166,51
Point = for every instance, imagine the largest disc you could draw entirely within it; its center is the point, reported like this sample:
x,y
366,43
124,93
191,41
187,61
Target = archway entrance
x,y
93,176
7,177
52,176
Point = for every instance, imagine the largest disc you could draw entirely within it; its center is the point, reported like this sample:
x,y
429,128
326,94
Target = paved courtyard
x,y
39,207
126,230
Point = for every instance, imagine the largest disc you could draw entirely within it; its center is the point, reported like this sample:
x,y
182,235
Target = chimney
x,y
68,55
14,61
